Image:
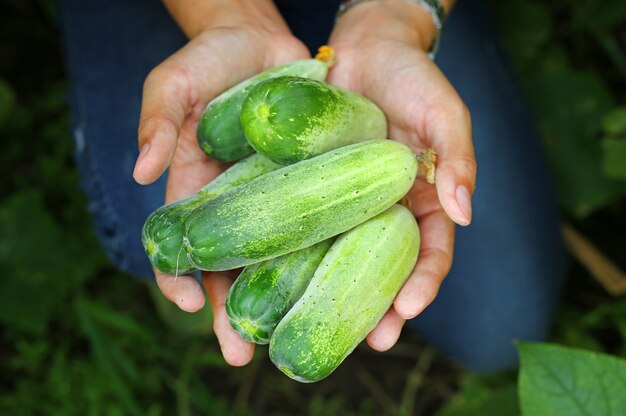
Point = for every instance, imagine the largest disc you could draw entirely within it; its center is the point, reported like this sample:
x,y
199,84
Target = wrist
x,y
398,20
194,17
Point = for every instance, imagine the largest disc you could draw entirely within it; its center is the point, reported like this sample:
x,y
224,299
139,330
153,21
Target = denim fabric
x,y
508,268
508,265
310,21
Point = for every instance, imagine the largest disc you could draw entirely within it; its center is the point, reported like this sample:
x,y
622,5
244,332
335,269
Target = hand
x,y
380,49
175,93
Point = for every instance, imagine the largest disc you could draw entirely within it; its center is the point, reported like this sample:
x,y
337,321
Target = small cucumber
x,y
219,130
352,289
299,205
264,292
162,233
289,118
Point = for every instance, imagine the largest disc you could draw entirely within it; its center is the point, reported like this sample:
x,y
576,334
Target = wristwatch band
x,y
434,7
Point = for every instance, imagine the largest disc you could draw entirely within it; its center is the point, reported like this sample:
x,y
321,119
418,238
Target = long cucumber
x,y
352,289
162,233
299,205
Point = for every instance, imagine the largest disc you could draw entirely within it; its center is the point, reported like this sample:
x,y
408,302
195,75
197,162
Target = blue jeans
x,y
508,266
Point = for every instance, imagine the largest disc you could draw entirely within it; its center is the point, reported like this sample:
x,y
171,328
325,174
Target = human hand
x,y
381,53
238,41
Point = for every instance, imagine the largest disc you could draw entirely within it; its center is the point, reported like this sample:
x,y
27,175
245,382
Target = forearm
x,y
388,19
193,16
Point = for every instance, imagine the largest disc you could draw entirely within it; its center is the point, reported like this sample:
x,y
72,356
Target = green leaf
x,y
41,264
614,158
557,380
609,315
476,398
554,58
112,361
614,123
570,329
569,107
106,316
606,13
525,27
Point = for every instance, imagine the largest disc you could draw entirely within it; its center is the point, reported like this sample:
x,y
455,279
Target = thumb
x,y
451,135
184,83
164,106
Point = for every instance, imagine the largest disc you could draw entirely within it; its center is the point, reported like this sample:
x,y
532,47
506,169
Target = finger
x,y
190,169
424,110
449,130
236,351
183,84
433,264
184,182
184,291
164,106
386,333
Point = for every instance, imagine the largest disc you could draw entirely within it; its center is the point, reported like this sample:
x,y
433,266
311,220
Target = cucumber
x,y
299,205
352,289
219,130
289,118
264,292
162,233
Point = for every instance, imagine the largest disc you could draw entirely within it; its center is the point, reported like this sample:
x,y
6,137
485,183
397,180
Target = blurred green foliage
x,y
78,337
482,396
571,63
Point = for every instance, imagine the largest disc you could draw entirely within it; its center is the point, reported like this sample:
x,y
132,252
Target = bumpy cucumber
x,y
219,131
299,205
265,291
162,233
289,119
352,289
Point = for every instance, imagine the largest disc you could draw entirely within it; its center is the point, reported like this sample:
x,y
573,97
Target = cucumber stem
x,y
405,201
426,164
326,54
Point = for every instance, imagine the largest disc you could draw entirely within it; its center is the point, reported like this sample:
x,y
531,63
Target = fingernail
x,y
142,154
464,201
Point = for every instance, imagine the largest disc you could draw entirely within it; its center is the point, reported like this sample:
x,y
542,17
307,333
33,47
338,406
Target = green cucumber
x,y
354,286
265,291
162,233
219,130
289,118
299,205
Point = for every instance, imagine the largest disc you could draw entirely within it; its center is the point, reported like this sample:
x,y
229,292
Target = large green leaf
x,y
557,380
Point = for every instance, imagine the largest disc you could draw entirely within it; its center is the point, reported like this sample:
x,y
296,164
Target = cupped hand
x,y
174,95
380,49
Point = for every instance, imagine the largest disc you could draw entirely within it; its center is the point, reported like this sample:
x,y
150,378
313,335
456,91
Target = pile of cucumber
x,y
312,216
